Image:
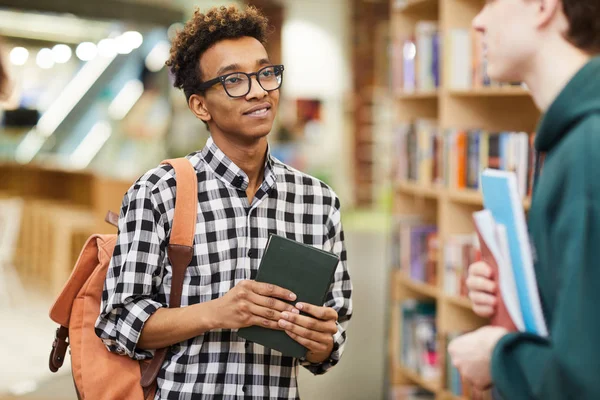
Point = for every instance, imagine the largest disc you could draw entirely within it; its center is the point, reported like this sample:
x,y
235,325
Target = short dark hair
x,y
204,30
584,24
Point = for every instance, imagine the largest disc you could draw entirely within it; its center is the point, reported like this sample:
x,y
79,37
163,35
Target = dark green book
x,y
303,269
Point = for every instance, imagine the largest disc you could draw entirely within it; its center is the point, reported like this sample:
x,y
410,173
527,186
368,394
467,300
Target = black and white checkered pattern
x,y
230,239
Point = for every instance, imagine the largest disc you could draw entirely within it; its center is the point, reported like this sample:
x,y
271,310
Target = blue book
x,y
501,198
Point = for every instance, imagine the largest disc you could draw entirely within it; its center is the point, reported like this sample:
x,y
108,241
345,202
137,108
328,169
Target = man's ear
x,y
197,104
548,10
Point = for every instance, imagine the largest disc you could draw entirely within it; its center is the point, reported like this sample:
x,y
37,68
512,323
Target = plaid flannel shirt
x,y
230,239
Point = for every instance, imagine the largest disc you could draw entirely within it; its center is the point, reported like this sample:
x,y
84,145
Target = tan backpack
x,y
97,373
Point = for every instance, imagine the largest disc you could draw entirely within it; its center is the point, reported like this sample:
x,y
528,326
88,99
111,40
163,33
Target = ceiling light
x,y
61,53
86,51
19,55
45,59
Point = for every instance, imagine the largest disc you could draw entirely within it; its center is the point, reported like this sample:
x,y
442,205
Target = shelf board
x,y
466,196
490,92
415,189
420,287
411,5
459,301
416,379
419,94
447,395
474,197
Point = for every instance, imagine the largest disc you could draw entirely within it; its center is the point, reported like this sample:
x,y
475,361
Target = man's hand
x,y
472,353
252,303
482,289
316,334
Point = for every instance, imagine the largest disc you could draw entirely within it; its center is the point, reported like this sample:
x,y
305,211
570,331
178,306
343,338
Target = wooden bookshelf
x,y
495,109
415,378
491,92
421,94
459,301
421,288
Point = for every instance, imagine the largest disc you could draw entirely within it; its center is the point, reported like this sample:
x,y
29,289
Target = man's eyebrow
x,y
238,68
228,68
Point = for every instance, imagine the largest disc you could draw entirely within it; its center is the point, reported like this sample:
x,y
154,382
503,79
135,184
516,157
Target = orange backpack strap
x,y
180,249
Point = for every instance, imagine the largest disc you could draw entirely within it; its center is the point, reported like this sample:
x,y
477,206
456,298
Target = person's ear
x,y
547,11
197,104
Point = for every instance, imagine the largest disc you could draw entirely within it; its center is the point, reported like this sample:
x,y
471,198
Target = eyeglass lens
x,y
238,84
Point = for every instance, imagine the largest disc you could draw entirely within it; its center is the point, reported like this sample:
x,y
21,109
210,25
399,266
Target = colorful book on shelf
x,y
503,228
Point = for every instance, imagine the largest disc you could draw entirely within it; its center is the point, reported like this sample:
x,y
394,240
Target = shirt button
x,y
250,253
244,389
247,345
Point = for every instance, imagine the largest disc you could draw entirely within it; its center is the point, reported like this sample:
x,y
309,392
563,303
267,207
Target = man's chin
x,y
502,75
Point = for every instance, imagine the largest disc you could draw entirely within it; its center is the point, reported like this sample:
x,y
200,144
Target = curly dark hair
x,y
203,31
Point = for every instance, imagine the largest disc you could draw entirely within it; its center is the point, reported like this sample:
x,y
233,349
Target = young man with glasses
x,y
554,47
244,195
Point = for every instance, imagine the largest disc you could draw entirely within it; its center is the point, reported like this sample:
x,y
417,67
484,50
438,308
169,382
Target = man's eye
x,y
232,80
267,74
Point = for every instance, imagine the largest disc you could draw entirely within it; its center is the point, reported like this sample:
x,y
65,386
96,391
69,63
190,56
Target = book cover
x,y
501,197
303,269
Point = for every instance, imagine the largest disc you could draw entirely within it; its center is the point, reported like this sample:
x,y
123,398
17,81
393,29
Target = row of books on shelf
x,y
454,158
416,60
415,246
422,352
410,392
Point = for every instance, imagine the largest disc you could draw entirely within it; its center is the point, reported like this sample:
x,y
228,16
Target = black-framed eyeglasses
x,y
238,84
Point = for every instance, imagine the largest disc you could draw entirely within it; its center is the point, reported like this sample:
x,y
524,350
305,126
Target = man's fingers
x,y
269,290
266,323
482,299
314,341
480,268
309,323
265,312
480,284
322,313
484,311
270,302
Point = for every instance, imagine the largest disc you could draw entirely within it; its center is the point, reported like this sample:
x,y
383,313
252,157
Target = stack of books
x,y
416,60
419,348
414,248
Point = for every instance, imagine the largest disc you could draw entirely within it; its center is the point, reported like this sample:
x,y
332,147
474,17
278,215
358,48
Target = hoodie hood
x,y
579,98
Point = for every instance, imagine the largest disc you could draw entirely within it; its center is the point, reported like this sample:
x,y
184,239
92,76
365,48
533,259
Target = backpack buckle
x,y
59,348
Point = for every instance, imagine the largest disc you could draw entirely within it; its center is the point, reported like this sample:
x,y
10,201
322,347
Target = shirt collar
x,y
228,172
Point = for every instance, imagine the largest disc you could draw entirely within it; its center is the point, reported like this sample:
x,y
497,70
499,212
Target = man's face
x,y
234,117
510,36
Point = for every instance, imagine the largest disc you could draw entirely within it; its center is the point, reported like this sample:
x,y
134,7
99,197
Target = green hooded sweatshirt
x,y
564,225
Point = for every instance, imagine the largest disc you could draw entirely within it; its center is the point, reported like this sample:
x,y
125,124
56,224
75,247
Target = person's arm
x,y
339,298
134,275
567,364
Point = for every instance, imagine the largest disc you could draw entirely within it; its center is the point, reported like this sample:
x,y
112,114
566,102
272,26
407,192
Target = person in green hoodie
x,y
552,46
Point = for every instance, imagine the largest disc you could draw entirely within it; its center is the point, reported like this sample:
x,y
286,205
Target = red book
x,y
501,317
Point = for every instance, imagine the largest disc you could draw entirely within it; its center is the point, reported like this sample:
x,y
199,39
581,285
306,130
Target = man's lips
x,y
260,109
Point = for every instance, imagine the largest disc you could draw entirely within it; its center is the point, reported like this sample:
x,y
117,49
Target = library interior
x,y
388,102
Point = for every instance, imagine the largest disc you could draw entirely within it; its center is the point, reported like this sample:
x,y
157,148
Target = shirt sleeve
x,y
565,365
134,274
339,296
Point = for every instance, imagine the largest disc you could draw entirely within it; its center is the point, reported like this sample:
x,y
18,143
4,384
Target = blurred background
x,y
92,107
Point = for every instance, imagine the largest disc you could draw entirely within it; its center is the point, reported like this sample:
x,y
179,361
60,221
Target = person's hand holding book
x,y
315,331
482,289
253,303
